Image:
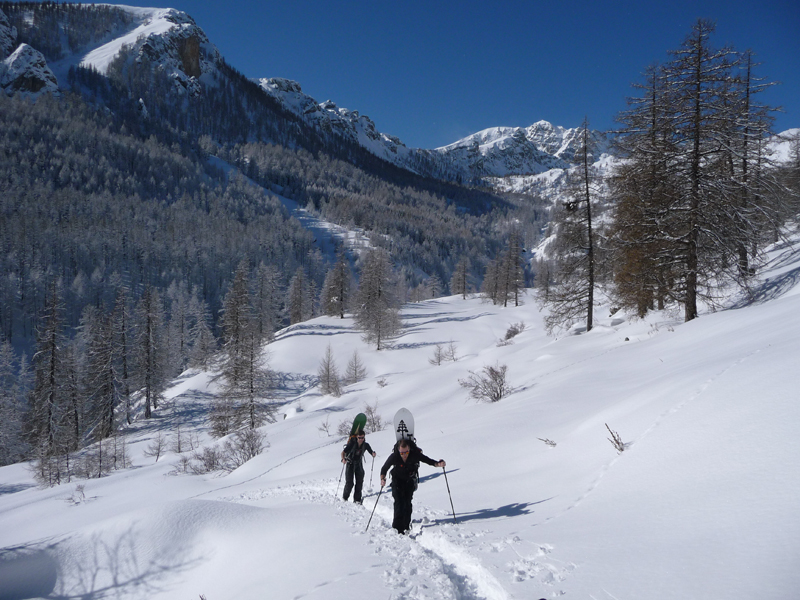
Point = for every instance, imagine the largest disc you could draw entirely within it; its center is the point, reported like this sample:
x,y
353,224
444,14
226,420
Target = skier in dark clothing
x,y
353,455
405,459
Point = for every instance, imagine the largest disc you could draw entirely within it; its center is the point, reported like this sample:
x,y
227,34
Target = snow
x,y
701,504
780,146
150,21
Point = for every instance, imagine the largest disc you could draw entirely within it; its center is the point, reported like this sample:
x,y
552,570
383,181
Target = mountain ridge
x,y
173,41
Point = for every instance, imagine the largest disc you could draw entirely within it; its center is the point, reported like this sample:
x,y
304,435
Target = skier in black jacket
x,y
405,459
353,455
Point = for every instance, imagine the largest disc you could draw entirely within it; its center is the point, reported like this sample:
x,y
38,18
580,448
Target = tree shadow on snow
x,y
13,488
322,330
516,509
91,568
770,289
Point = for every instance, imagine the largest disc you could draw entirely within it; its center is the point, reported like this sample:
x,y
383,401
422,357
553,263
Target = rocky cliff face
x,y
182,50
564,143
26,72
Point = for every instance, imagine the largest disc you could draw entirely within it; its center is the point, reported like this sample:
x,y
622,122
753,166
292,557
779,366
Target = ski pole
x,y
371,471
373,508
451,497
340,481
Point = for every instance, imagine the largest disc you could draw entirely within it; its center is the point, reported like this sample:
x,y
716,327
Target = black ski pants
x,y
354,469
403,493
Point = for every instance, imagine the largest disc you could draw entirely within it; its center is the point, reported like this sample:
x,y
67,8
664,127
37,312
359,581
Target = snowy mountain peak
x,y
564,143
501,151
26,72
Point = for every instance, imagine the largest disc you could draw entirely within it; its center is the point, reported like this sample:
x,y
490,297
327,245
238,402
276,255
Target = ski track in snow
x,y
437,561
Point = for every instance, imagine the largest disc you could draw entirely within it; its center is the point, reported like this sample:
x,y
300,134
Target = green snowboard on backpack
x,y
358,424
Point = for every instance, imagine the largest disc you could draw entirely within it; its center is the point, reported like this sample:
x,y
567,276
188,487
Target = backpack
x,y
412,444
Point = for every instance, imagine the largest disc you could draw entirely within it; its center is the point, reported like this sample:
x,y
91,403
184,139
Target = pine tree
x,y
76,402
376,312
336,288
490,286
47,398
511,275
433,286
297,298
356,371
123,337
245,375
695,180
101,376
459,282
204,344
150,348
237,327
573,262
179,327
328,374
267,296
12,445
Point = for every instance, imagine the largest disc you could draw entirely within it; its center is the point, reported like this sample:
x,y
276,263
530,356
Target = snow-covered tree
x,y
336,289
298,297
44,417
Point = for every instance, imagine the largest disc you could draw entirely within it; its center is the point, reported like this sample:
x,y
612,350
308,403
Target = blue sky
x,y
435,71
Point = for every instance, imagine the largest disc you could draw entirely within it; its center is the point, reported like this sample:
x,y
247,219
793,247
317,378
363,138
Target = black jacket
x,y
353,453
405,470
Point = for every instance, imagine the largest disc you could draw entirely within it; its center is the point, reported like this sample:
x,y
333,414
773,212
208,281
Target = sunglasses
x,y
401,452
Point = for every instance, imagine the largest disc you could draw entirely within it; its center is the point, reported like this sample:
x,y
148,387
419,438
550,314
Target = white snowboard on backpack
x,y
403,425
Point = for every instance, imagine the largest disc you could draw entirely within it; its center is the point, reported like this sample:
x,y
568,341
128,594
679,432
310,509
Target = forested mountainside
x,y
109,183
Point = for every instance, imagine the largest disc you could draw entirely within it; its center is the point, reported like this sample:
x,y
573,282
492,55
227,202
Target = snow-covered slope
x,y
701,504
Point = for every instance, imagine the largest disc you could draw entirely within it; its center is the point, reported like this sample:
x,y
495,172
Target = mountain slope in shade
x,y
8,36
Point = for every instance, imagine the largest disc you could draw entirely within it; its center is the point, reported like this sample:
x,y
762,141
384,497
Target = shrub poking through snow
x,y
616,440
488,385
